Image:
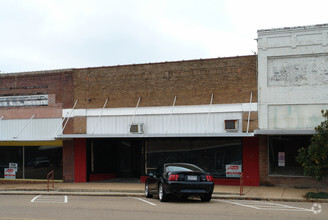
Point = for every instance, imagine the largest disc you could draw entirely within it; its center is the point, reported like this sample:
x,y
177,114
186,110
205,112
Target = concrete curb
x,y
71,190
75,192
67,193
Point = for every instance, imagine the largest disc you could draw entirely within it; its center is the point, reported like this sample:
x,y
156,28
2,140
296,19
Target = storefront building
x,y
130,119
123,121
30,114
293,89
96,124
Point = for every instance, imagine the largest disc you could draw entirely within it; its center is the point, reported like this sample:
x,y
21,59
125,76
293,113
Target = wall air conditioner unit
x,y
231,125
137,128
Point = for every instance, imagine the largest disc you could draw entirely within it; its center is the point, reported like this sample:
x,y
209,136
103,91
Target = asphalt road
x,y
30,207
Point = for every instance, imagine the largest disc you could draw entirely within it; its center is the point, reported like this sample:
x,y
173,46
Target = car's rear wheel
x,y
161,193
206,198
147,194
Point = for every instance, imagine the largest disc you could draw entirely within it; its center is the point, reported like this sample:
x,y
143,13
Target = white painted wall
x,y
292,77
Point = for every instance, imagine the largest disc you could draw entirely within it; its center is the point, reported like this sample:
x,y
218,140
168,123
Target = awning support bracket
x,y
249,112
169,122
70,114
135,111
24,126
209,112
61,123
94,129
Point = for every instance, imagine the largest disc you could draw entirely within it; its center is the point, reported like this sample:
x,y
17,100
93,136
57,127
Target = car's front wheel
x,y
147,194
206,198
161,193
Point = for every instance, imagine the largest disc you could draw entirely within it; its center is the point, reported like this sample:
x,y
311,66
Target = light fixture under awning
x,y
283,132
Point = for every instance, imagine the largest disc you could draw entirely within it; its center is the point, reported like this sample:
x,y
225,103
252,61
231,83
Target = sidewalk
x,y
136,189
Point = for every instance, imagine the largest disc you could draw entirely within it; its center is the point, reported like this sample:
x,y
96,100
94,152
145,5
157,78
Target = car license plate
x,y
192,178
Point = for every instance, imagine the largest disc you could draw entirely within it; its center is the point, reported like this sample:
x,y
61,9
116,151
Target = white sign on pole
x,y
10,173
233,170
14,166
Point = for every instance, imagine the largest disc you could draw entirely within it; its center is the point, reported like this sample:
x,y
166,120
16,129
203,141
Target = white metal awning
x,y
41,129
162,121
72,136
161,110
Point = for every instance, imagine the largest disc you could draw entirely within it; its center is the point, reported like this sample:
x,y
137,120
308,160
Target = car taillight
x,y
209,178
173,177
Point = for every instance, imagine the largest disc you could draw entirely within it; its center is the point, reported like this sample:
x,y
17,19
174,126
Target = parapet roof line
x,y
165,62
37,72
295,28
120,65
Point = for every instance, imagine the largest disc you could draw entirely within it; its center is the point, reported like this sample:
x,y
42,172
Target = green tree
x,y
314,159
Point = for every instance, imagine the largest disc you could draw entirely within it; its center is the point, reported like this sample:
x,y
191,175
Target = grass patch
x,y
319,195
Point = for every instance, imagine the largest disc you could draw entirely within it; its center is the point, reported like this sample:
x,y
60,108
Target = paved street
x,y
18,207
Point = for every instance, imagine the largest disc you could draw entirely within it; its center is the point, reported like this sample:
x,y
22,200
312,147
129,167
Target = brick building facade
x,y
230,81
31,106
211,91
192,81
58,85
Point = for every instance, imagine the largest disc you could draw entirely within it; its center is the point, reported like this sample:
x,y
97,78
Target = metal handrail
x,y
241,183
52,173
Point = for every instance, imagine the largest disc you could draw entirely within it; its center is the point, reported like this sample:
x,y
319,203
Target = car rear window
x,y
183,167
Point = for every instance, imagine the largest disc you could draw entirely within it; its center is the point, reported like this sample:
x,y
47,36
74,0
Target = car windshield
x,y
182,167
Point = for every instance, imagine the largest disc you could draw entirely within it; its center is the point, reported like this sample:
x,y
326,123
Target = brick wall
x,y
79,125
284,181
57,84
68,161
230,79
252,121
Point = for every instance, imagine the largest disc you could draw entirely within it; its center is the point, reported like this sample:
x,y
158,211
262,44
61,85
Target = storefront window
x,y
211,155
119,157
283,151
34,162
40,160
11,155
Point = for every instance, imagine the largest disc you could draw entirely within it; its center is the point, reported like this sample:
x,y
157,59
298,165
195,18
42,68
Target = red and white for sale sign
x,y
233,170
10,173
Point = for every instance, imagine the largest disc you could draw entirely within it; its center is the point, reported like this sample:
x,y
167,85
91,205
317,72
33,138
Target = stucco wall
x,y
292,77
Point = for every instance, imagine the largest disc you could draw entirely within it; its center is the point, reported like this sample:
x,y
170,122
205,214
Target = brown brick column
x,y
68,161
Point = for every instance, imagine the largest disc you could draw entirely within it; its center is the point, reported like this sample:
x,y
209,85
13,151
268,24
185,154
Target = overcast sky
x,y
58,34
